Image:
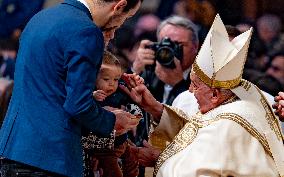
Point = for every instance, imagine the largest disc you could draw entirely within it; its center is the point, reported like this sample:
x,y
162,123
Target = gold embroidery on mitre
x,y
245,84
229,84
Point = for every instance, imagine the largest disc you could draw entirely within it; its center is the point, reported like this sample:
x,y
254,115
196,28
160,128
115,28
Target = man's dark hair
x,y
130,4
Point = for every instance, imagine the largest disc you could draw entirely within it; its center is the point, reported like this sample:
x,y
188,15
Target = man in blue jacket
x,y
60,54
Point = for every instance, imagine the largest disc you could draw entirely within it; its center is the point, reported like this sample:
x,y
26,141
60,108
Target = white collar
x,y
85,4
186,73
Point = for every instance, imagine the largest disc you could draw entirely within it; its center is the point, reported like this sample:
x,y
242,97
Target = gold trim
x,y
188,133
229,84
245,84
185,137
246,125
270,117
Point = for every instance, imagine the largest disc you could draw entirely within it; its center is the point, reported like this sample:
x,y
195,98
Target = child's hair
x,y
110,59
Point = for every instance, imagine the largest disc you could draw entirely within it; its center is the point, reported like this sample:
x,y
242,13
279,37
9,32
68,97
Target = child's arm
x,y
99,95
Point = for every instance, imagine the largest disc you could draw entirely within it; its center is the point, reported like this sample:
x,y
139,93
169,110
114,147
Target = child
x,y
107,150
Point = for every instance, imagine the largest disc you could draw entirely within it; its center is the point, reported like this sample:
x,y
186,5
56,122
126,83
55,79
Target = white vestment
x,y
187,102
219,143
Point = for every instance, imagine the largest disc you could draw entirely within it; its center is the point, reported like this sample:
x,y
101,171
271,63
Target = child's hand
x,y
132,80
99,95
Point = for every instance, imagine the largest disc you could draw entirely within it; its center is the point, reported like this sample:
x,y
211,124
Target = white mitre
x,y
220,63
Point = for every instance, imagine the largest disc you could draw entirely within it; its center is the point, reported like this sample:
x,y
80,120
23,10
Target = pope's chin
x,y
203,109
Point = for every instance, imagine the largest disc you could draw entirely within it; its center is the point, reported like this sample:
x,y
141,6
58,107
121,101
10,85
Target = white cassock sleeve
x,y
223,148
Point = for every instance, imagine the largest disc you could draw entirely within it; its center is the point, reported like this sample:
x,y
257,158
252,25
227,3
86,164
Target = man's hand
x,y
99,95
144,57
170,76
279,105
124,121
148,155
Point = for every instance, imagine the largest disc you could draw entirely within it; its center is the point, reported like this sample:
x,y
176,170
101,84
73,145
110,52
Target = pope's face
x,y
202,93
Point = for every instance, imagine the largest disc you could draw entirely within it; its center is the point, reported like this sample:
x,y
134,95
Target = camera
x,y
166,50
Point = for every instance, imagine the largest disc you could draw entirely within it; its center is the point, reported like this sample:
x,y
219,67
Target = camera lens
x,y
165,55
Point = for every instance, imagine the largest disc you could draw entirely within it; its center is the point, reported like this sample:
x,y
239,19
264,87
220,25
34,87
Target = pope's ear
x,y
119,7
215,95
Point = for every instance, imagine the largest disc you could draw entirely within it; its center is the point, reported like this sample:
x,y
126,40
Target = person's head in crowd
x,y
179,30
258,57
124,43
184,32
232,31
109,22
268,27
125,47
109,74
263,81
146,23
244,26
276,68
9,48
201,12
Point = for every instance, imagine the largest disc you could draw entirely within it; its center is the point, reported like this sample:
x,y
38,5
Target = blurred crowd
x,y
264,67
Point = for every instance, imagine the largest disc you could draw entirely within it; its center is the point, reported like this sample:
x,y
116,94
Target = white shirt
x,y
85,3
168,88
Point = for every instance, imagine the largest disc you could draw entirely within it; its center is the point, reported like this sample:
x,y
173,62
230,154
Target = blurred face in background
x,y
276,69
183,36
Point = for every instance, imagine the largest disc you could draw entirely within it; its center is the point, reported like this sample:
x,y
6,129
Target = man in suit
x,y
166,83
60,53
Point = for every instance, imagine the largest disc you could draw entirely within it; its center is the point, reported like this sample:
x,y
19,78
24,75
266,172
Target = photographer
x,y
166,72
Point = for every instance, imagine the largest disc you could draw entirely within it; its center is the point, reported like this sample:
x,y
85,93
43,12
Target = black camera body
x,y
166,50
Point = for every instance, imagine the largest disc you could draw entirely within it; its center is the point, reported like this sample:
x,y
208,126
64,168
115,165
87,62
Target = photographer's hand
x,y
145,56
170,76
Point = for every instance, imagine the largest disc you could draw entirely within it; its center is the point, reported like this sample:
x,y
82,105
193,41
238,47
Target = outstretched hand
x,y
140,94
136,89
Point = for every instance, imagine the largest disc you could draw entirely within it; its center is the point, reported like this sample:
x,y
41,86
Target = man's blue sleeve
x,y
83,60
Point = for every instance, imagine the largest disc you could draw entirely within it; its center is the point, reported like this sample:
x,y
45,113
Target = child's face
x,y
108,78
